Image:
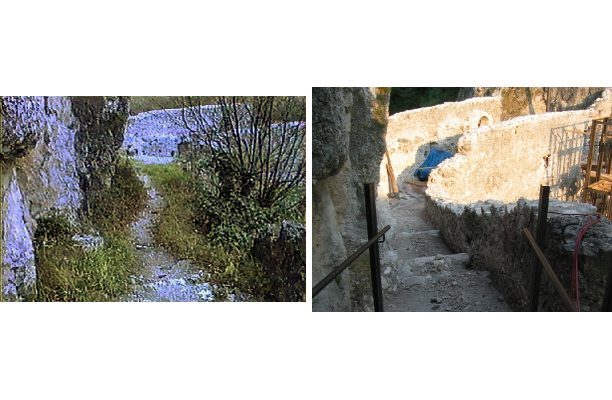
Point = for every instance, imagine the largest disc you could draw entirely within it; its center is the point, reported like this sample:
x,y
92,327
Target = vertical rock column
x,y
331,114
348,143
98,140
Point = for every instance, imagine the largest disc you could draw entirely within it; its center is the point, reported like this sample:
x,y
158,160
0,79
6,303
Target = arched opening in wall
x,y
483,121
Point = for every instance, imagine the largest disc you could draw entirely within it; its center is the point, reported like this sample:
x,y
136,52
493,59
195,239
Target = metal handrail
x,y
338,270
372,244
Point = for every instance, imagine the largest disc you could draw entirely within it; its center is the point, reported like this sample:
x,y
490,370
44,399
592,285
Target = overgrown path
x,y
162,277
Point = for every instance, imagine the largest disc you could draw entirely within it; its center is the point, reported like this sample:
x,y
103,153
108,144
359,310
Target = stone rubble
x,y
426,276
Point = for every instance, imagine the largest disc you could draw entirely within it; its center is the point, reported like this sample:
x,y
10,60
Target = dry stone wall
x,y
492,234
535,100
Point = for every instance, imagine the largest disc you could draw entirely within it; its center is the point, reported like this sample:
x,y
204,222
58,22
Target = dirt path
x,y
163,278
430,278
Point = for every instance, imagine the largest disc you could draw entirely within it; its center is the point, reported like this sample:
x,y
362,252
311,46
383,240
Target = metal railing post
x,y
370,203
540,238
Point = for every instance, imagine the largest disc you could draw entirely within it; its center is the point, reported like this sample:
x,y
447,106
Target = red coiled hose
x,y
575,262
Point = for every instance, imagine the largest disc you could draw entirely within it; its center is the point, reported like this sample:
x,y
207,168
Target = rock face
x,y
98,140
348,143
331,122
536,100
55,152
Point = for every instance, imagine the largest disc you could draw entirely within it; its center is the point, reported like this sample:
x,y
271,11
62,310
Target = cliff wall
x,y
536,100
56,153
348,144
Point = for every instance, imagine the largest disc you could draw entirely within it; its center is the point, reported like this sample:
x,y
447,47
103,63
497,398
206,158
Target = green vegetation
x,y
224,252
113,209
410,98
242,192
66,271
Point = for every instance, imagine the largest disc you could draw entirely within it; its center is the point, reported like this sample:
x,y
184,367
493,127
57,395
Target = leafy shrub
x,y
283,254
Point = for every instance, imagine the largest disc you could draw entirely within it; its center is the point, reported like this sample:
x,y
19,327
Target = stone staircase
x,y
421,274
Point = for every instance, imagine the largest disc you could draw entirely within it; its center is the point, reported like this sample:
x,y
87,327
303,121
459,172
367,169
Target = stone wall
x,y
55,151
155,133
512,159
473,199
348,143
412,134
492,234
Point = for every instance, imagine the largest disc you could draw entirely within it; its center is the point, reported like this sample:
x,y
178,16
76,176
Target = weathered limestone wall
x,y
411,134
509,160
51,155
492,234
484,196
348,143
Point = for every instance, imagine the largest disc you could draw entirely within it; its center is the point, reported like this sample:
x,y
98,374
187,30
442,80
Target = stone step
x,y
433,232
406,277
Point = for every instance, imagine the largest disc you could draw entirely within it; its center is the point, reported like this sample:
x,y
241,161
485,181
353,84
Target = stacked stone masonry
x,y
492,234
473,199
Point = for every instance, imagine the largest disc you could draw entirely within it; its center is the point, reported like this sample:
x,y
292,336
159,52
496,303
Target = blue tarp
x,y
434,158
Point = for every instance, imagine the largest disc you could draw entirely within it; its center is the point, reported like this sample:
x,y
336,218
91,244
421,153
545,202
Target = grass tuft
x,y
66,271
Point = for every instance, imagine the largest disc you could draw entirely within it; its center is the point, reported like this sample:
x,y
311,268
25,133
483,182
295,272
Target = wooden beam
x,y
606,177
589,161
551,274
393,188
